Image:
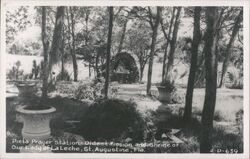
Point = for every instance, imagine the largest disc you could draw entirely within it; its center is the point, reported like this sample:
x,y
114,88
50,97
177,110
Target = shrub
x,y
239,121
234,78
238,84
35,70
63,76
169,86
94,90
85,91
227,141
68,88
178,97
112,119
218,116
15,73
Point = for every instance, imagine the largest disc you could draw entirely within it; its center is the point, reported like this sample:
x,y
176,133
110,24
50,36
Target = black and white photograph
x,y
125,79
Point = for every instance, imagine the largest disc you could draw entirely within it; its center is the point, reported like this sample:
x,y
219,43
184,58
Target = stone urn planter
x,y
26,88
164,95
36,126
166,91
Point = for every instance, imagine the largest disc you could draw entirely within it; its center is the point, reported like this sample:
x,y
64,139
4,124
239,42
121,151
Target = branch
x,y
240,39
170,27
220,20
150,18
164,31
120,8
128,11
141,17
69,37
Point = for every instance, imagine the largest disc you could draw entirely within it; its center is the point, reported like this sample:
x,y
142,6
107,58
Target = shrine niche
x,y
124,69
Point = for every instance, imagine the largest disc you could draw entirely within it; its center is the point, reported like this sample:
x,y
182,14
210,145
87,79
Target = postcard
x,y
124,79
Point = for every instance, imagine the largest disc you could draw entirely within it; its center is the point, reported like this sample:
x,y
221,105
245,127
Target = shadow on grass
x,y
66,109
226,142
190,132
166,117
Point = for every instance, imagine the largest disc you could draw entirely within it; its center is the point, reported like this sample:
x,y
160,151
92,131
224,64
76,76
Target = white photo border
x,y
243,3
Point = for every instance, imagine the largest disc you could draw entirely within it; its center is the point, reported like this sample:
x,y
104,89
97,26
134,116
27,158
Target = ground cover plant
x,y
112,119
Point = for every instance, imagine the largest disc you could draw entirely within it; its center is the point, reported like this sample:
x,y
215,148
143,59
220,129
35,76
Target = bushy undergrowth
x,y
218,116
112,119
94,90
15,73
63,76
85,91
227,142
68,88
178,97
237,84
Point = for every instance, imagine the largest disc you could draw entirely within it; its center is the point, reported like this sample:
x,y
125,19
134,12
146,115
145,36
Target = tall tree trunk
x,y
141,73
141,63
62,55
86,28
193,67
168,41
57,35
89,69
200,75
152,49
123,36
211,79
111,16
142,66
73,54
96,65
86,38
164,62
75,67
235,31
172,46
45,54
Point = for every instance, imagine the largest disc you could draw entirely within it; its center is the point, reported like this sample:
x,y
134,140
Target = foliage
x,y
169,86
15,73
178,97
237,83
183,50
233,77
112,119
16,20
93,55
138,43
26,47
67,88
35,70
86,53
63,76
85,91
218,116
239,121
94,90
238,75
226,141
50,19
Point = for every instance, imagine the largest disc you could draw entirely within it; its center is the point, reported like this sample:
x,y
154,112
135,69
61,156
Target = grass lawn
x,y
227,133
